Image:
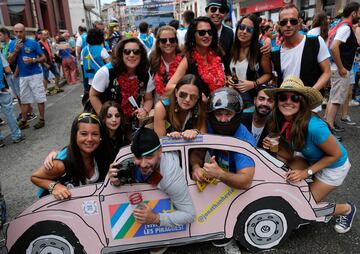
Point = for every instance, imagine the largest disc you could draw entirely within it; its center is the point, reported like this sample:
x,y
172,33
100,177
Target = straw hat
x,y
294,84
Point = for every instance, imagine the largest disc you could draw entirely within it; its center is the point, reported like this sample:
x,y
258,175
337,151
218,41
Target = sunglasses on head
x,y
185,95
172,40
88,115
248,29
203,32
284,22
294,98
128,51
213,9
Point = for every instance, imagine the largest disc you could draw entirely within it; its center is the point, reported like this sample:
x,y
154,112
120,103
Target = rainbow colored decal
x,y
123,224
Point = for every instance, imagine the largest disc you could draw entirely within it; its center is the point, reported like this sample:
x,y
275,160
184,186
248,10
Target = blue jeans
x,y
7,109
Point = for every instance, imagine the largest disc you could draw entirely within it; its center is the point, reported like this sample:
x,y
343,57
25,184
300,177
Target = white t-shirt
x,y
256,132
181,36
101,81
240,68
342,34
291,58
315,31
4,62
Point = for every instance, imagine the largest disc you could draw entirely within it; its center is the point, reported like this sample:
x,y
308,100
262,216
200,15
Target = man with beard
x,y
314,65
217,11
162,170
233,169
343,45
256,122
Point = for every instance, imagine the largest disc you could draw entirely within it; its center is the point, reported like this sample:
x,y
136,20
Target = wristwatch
x,y
34,60
52,186
310,172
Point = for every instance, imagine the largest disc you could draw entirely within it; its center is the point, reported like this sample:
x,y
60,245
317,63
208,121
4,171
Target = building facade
x,y
56,16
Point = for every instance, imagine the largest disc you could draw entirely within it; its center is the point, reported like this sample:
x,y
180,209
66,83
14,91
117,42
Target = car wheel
x,y
265,224
48,237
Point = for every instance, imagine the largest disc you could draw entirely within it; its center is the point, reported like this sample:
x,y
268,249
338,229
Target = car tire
x,y
265,224
48,237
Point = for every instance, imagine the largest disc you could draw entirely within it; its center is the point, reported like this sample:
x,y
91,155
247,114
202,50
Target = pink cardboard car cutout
x,y
98,218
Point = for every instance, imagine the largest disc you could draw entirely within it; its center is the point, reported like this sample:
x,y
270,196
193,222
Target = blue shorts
x,y
53,68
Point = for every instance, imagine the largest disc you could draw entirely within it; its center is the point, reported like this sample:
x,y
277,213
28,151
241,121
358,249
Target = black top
x,y
225,41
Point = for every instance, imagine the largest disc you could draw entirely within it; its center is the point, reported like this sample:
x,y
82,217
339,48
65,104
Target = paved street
x,y
17,161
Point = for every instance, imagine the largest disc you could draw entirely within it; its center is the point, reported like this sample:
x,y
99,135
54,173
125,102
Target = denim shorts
x,y
53,68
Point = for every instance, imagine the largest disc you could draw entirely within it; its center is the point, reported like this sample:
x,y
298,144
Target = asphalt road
x,y
17,161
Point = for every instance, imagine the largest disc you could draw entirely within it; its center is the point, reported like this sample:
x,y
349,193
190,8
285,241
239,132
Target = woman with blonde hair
x,y
164,58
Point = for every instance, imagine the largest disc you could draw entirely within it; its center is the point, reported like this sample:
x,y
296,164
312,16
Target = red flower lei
x,y
159,76
211,73
129,87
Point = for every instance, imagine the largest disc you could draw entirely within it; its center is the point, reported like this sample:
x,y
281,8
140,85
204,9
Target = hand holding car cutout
x,y
296,175
61,192
145,215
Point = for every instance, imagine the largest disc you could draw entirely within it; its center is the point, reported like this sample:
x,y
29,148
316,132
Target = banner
x,y
134,2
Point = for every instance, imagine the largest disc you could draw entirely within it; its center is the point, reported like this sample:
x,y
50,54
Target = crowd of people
x,y
250,82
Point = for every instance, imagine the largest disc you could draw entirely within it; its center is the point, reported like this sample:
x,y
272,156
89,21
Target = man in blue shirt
x,y
27,54
233,169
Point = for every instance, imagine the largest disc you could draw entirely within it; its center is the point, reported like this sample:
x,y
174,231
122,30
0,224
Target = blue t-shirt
x,y
318,132
30,49
232,161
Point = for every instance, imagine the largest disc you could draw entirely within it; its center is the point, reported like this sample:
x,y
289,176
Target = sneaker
x,y
347,120
2,122
338,128
222,242
22,137
2,144
56,90
31,116
39,124
344,222
23,125
158,250
354,103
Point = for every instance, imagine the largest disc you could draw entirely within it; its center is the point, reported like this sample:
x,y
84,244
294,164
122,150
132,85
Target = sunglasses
x,y
203,32
284,22
172,40
248,29
127,52
185,95
88,115
213,9
294,98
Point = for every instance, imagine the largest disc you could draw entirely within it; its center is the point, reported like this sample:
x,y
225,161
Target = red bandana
x,y
129,87
159,76
211,73
286,128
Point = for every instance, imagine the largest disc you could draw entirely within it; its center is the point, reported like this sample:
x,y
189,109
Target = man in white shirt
x,y
343,48
314,67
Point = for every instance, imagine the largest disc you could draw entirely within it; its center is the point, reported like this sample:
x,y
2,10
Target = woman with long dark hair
x,y
111,117
84,161
202,57
320,25
183,113
250,66
303,132
164,58
127,81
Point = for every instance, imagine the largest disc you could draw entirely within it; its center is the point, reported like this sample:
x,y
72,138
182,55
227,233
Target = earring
x,y
176,108
196,111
